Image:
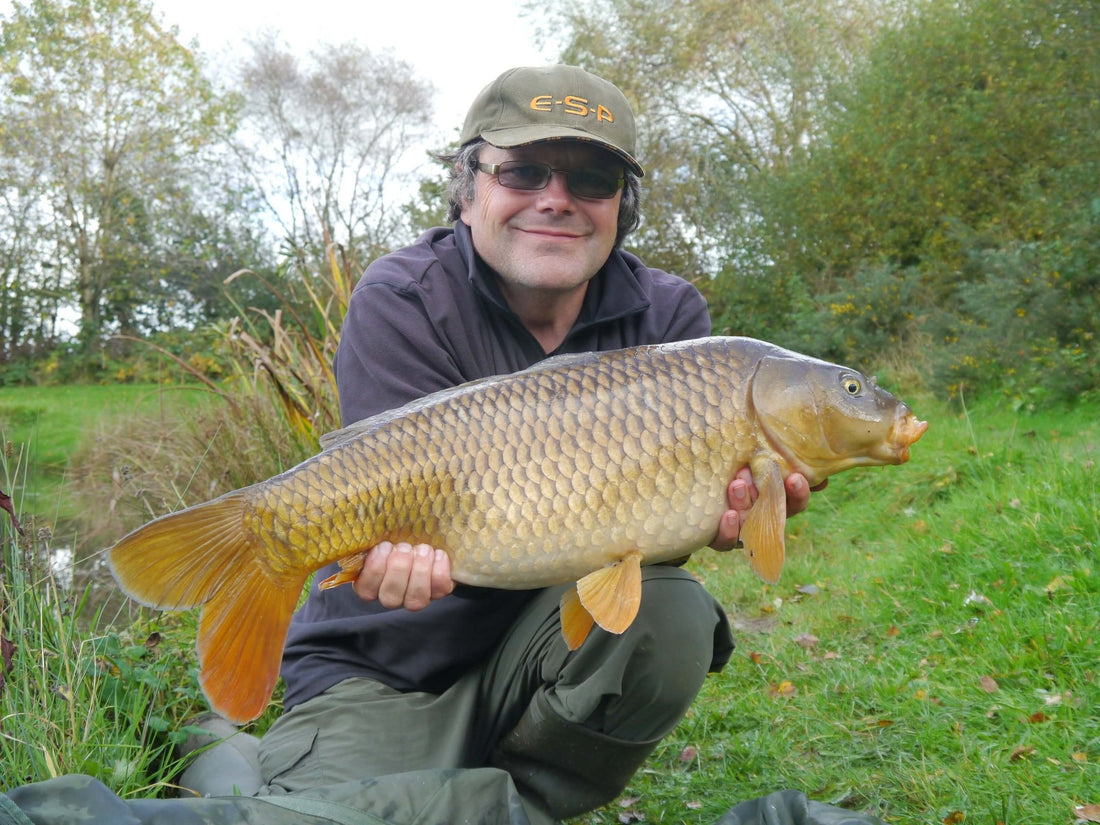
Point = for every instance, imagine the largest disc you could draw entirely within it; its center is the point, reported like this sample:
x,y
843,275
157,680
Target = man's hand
x,y
401,575
741,495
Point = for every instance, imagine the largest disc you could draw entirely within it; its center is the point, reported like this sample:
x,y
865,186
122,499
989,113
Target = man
x,y
410,698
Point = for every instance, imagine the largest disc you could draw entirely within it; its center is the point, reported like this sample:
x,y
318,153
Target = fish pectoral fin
x,y
576,621
612,594
763,531
350,567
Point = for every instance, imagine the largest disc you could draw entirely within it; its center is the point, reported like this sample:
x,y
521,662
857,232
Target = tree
x,y
326,142
725,92
107,122
971,114
953,197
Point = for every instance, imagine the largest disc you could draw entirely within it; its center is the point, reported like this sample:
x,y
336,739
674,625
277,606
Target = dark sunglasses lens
x,y
589,183
524,175
585,183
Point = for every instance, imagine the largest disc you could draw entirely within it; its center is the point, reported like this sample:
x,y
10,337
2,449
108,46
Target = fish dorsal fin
x,y
576,622
612,594
763,531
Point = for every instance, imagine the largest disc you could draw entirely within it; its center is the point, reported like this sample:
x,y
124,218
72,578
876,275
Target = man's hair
x,y
462,186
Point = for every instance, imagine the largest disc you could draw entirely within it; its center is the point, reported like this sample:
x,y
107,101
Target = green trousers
x,y
537,734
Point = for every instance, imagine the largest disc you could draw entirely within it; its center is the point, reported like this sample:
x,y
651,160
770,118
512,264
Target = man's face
x,y
546,239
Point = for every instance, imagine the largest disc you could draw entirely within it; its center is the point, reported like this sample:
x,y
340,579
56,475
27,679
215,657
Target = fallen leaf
x,y
954,818
629,801
1050,699
6,504
693,805
806,640
808,589
689,754
989,684
1038,717
892,630
1021,752
783,689
1080,756
1089,813
1057,583
974,597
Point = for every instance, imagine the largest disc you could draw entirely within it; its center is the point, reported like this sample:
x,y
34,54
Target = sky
x,y
459,46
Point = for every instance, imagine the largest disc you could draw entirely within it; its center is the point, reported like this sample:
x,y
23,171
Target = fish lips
x,y
907,431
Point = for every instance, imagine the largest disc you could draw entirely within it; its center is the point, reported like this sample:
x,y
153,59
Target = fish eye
x,y
852,385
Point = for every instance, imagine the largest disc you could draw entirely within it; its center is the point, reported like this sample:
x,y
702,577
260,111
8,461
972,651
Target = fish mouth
x,y
907,431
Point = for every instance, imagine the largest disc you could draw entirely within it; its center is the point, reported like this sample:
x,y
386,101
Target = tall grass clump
x,y
276,395
106,690
80,693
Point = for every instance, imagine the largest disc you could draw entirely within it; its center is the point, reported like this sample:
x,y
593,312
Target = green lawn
x,y
41,428
931,651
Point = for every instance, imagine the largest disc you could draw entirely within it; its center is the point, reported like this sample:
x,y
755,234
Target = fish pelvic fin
x,y
350,568
763,532
576,622
204,556
612,594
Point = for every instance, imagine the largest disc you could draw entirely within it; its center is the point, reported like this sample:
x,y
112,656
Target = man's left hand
x,y
742,494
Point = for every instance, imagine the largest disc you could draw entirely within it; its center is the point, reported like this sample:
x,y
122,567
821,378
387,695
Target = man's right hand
x,y
403,575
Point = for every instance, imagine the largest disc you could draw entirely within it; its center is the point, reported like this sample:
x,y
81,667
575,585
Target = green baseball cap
x,y
531,104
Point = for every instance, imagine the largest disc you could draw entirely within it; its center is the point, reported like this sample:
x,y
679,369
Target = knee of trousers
x,y
644,680
677,629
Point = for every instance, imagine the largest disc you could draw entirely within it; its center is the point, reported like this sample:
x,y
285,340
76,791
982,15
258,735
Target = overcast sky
x,y
459,46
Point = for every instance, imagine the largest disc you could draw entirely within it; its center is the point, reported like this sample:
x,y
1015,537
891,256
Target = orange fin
x,y
763,531
576,622
240,643
350,566
612,594
205,556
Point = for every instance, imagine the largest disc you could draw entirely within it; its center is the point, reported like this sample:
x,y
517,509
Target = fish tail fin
x,y
205,556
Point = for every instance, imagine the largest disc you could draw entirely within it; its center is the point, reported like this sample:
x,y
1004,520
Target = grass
x,y
930,654
45,426
83,692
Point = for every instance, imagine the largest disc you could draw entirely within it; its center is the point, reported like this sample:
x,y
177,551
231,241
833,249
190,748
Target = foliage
x,y
1027,321
82,691
962,162
972,113
106,144
724,92
325,142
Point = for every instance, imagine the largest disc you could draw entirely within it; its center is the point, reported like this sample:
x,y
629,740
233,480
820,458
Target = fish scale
x,y
581,468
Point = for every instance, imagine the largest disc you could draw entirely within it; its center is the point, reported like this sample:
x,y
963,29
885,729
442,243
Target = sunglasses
x,y
530,176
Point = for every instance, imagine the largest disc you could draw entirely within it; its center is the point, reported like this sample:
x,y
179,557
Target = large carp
x,y
581,468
